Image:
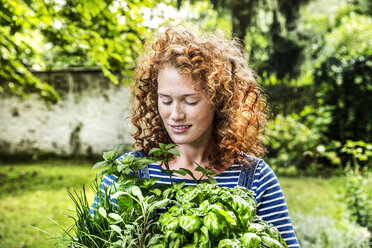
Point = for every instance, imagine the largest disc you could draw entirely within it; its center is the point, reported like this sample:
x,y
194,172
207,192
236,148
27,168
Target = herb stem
x,y
170,174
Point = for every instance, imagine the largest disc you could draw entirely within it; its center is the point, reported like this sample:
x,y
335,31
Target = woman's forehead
x,y
171,80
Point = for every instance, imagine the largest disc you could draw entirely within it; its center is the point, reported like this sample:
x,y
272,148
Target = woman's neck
x,y
190,155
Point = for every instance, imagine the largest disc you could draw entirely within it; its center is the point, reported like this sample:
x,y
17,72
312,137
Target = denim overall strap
x,y
247,172
143,173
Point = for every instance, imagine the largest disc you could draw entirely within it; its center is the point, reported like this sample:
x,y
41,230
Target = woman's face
x,y
185,111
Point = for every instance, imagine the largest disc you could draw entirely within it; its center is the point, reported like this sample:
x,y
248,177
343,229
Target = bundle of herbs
x,y
204,215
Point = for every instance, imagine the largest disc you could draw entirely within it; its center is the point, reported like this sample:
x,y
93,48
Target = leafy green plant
x,y
211,216
343,79
204,215
358,161
297,143
324,231
357,199
359,153
45,35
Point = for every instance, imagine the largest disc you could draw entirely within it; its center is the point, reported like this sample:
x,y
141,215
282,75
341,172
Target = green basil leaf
x,y
108,155
256,228
191,195
211,180
217,209
184,171
229,243
204,241
250,240
214,225
270,242
190,223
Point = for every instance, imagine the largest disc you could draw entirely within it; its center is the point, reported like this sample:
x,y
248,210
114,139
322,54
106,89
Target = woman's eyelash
x,y
187,102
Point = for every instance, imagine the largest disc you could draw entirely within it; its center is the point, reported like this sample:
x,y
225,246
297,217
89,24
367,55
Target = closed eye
x,y
191,103
166,102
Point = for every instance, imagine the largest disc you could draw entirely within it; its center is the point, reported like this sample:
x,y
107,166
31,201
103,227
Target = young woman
x,y
200,94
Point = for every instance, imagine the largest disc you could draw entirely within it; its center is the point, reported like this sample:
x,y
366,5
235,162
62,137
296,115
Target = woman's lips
x,y
180,128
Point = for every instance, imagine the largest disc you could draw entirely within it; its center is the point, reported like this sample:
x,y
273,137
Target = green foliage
x,y
350,37
307,199
89,229
324,231
358,201
17,48
358,162
296,142
287,95
359,154
344,81
106,34
283,52
202,216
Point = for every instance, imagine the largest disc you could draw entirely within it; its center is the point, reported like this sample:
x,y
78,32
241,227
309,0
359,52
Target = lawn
x,y
32,195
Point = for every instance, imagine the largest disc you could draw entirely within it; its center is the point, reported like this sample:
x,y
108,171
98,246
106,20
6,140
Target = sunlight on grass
x,y
31,195
314,196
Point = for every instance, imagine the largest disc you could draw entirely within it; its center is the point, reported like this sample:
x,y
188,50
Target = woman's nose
x,y
177,113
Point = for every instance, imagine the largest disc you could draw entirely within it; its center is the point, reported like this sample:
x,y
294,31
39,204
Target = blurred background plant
x,y
323,231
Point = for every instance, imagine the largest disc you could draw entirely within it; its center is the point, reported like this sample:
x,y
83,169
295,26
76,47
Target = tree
x,y
16,51
343,77
250,17
106,34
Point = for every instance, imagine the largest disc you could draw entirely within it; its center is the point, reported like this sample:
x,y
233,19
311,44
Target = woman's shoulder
x,y
253,169
253,164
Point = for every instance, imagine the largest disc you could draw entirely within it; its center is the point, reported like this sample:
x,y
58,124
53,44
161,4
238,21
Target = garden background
x,y
313,59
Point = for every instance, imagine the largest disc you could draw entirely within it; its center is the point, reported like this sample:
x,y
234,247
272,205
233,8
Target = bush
x,y
357,154
296,142
343,78
358,202
287,95
323,231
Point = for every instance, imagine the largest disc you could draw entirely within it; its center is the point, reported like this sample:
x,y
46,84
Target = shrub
x,y
357,153
343,78
323,231
287,95
358,202
296,142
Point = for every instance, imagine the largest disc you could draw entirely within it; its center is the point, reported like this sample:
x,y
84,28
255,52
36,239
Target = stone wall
x,y
91,117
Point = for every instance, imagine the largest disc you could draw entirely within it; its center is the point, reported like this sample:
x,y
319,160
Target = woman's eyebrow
x,y
184,95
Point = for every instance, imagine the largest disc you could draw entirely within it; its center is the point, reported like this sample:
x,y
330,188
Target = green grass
x,y
314,196
32,194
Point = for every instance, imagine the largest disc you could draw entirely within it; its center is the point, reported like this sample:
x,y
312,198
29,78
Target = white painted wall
x,y
88,98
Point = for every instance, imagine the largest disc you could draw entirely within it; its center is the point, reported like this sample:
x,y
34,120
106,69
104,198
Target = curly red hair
x,y
218,66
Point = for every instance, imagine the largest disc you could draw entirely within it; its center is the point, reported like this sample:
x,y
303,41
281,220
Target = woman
x,y
200,94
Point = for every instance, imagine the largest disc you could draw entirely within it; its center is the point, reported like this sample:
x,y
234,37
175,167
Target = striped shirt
x,y
271,205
